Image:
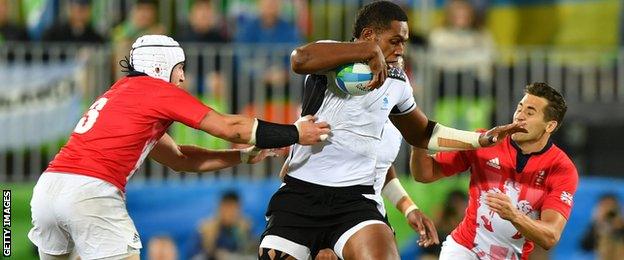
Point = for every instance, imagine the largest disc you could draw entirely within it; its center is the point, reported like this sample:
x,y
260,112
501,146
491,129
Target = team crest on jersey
x,y
566,197
494,163
385,103
539,180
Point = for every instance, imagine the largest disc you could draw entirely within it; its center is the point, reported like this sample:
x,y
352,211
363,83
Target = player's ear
x,y
368,33
551,126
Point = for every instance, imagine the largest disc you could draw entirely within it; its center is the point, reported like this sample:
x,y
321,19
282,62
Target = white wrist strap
x,y
394,192
252,139
410,209
450,139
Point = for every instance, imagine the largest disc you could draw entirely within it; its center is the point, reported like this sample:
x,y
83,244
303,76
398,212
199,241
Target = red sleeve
x,y
176,104
562,185
453,162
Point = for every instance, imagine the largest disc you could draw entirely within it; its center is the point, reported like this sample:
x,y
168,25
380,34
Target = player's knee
x,y
272,254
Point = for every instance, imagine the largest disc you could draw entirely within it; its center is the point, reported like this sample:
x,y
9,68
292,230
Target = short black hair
x,y
556,108
378,15
230,195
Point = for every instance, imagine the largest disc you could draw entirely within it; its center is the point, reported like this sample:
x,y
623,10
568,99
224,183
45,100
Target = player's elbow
x,y
298,60
422,179
550,241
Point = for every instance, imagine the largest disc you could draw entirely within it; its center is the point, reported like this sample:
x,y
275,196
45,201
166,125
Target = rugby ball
x,y
353,78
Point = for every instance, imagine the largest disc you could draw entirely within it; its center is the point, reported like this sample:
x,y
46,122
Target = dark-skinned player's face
x,y
393,40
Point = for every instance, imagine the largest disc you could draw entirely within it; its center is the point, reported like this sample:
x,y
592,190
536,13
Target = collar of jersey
x,y
519,150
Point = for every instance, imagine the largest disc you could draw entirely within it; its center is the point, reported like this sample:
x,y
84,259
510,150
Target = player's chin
x,y
520,136
393,63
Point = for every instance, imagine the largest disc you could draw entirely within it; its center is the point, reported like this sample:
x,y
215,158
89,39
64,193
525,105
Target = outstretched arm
x,y
394,191
318,57
188,158
263,134
421,132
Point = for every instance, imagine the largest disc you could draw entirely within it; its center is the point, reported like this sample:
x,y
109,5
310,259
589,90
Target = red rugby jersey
x,y
544,180
122,126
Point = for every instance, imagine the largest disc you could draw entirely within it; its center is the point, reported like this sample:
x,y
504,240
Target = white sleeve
x,y
406,103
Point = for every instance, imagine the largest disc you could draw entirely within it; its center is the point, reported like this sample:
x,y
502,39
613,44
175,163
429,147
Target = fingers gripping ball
x,y
353,78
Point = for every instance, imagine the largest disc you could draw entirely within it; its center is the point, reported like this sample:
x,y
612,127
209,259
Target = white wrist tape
x,y
394,192
252,139
410,209
450,139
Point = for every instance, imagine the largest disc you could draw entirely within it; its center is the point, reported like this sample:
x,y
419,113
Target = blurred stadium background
x,y
46,82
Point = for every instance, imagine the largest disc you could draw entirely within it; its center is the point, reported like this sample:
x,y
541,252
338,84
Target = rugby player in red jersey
x,y
78,202
521,190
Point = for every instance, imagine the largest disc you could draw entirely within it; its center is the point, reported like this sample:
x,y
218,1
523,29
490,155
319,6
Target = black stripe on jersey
x,y
395,110
397,73
313,94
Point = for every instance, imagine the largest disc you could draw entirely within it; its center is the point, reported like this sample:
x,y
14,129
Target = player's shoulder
x,y
397,73
561,158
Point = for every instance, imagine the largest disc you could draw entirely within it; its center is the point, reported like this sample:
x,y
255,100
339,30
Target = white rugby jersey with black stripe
x,y
348,157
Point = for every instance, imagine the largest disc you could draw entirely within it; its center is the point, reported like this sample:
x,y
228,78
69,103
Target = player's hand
x,y
379,68
311,132
326,254
254,154
501,204
498,133
428,235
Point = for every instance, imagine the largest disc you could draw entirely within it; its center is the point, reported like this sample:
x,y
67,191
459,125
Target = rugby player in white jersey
x,y
321,204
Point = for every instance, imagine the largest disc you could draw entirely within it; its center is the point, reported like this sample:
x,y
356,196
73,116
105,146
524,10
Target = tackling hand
x,y
311,132
498,133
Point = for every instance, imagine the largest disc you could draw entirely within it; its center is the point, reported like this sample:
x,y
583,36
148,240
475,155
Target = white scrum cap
x,y
156,55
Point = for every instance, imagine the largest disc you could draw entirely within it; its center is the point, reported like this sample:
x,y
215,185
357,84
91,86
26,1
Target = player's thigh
x,y
276,247
131,255
373,240
48,232
45,256
101,226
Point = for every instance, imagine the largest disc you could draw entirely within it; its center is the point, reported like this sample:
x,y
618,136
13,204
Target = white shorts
x,y
451,250
71,211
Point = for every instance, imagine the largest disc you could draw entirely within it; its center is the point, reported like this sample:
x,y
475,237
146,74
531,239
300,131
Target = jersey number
x,y
87,121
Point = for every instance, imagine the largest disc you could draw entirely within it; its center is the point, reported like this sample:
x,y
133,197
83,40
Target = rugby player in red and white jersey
x,y
521,190
78,202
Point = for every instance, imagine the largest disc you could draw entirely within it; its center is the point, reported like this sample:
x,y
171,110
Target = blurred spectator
x,y
143,20
605,236
9,31
77,28
462,54
462,45
205,25
228,234
271,67
268,27
161,248
449,218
